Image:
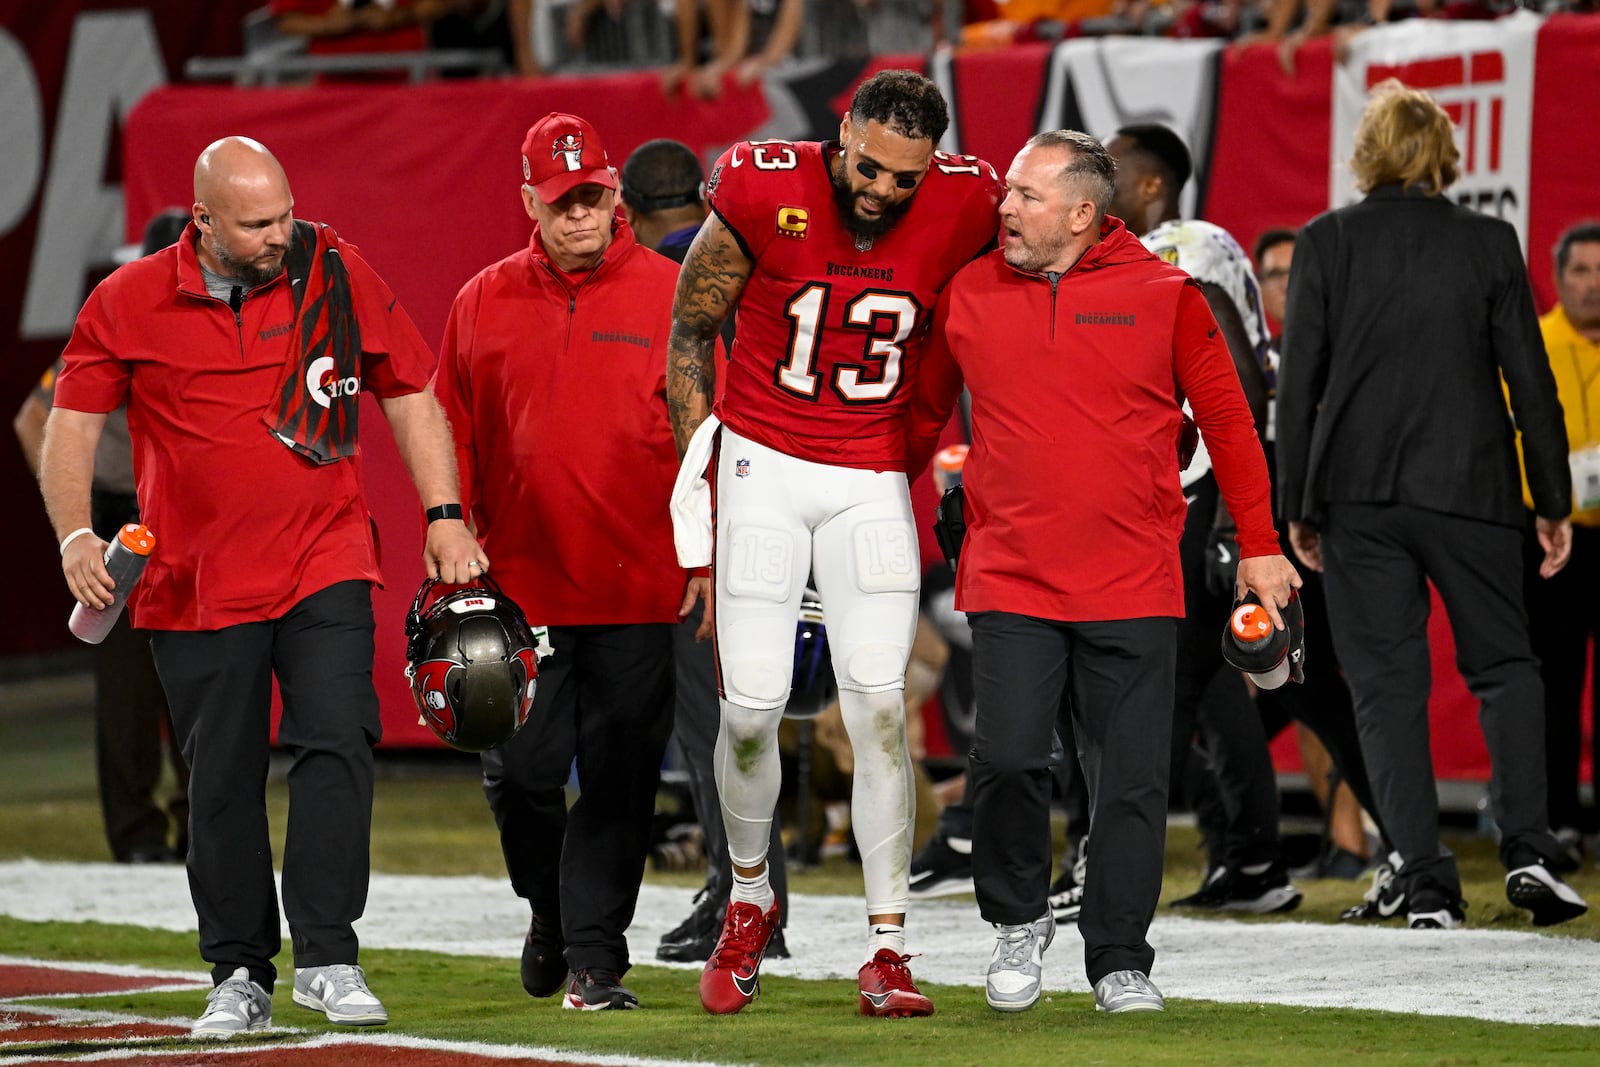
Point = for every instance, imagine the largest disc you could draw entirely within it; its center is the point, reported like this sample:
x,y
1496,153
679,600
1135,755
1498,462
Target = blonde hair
x,y
1404,136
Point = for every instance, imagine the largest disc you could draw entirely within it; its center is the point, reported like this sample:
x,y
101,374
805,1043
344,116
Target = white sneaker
x,y
340,992
1016,972
1122,991
236,1006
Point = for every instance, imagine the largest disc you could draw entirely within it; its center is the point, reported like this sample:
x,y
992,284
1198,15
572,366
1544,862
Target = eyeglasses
x,y
869,171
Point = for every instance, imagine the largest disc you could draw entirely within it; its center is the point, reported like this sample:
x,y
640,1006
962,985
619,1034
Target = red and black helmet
x,y
473,664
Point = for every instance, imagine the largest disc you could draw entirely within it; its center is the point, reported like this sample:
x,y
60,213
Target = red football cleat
x,y
731,979
887,988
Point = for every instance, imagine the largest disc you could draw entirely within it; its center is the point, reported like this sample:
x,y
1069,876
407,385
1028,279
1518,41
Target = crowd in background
x,y
700,44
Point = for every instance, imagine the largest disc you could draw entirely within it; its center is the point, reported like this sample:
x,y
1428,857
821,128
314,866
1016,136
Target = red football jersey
x,y
829,333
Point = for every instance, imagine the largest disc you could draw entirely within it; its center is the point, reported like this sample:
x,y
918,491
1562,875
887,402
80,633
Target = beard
x,y
844,198
248,272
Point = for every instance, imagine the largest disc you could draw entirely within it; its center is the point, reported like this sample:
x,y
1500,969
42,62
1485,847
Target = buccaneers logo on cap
x,y
568,147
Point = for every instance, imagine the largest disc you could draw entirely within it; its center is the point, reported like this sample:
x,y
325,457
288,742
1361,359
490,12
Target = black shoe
x,y
598,989
1433,908
698,948
1226,889
1542,892
1385,899
544,967
776,949
151,854
705,918
939,870
1067,904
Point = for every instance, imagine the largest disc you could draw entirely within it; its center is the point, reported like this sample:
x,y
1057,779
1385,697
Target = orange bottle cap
x,y
137,539
952,457
1251,623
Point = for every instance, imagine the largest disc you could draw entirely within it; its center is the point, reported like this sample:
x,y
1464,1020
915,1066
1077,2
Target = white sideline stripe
x,y
1498,975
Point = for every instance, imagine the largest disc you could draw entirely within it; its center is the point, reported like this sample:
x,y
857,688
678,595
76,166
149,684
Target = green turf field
x,y
438,824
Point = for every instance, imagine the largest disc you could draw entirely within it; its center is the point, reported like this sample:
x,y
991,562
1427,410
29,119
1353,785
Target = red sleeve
x,y
452,387
92,378
935,389
395,360
733,191
1207,377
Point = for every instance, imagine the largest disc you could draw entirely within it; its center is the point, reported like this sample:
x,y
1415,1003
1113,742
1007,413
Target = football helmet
x,y
472,660
812,686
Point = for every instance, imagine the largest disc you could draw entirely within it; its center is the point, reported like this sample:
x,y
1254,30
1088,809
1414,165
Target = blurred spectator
x,y
345,27
1274,252
747,38
1565,609
130,708
474,24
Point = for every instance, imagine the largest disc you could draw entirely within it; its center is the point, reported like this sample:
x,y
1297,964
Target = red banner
x,y
424,179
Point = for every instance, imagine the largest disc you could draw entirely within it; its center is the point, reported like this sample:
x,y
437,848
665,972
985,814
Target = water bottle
x,y
947,467
125,560
1254,645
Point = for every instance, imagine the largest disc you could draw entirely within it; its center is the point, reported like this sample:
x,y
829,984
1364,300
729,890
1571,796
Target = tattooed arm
x,y
713,276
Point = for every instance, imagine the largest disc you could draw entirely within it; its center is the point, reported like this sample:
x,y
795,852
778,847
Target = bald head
x,y
235,163
243,209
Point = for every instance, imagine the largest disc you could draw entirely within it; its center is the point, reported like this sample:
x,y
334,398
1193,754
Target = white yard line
x,y
1487,974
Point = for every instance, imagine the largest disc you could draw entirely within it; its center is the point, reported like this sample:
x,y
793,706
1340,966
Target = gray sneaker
x,y
236,1006
1127,991
340,992
1017,970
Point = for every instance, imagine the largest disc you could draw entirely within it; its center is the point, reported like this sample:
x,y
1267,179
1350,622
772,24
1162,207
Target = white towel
x,y
691,499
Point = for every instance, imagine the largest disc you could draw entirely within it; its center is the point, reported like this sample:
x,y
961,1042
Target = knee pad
x,y
760,685
875,668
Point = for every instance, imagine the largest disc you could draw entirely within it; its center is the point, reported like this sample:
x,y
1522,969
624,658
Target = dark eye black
x,y
901,181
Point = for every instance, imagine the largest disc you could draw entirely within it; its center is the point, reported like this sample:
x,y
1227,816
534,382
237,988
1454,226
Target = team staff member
x,y
1564,609
835,253
1070,573
551,374
130,708
266,553
1400,296
663,198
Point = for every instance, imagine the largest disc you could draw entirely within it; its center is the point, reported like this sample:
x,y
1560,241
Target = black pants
x,y
697,716
1210,701
1120,678
955,820
1377,561
1564,615
130,718
220,685
604,699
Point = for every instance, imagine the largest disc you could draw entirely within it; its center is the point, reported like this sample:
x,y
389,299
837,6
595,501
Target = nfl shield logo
x,y
741,468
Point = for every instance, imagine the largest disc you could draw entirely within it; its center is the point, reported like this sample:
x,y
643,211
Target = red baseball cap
x,y
562,152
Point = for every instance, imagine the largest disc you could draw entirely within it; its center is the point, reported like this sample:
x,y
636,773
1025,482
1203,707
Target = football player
x,y
834,253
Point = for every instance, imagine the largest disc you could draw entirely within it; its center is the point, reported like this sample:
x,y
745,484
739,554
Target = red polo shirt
x,y
245,528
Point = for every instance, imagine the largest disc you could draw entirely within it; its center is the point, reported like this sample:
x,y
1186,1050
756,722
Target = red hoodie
x,y
557,398
1074,508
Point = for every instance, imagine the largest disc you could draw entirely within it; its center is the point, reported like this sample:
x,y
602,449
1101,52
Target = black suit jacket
x,y
1404,312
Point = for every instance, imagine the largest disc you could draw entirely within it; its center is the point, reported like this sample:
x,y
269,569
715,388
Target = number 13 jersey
x,y
829,332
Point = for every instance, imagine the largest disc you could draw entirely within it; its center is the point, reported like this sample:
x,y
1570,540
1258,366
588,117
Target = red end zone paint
x,y
35,1025
27,980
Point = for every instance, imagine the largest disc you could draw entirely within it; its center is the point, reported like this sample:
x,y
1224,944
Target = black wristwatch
x,y
444,511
